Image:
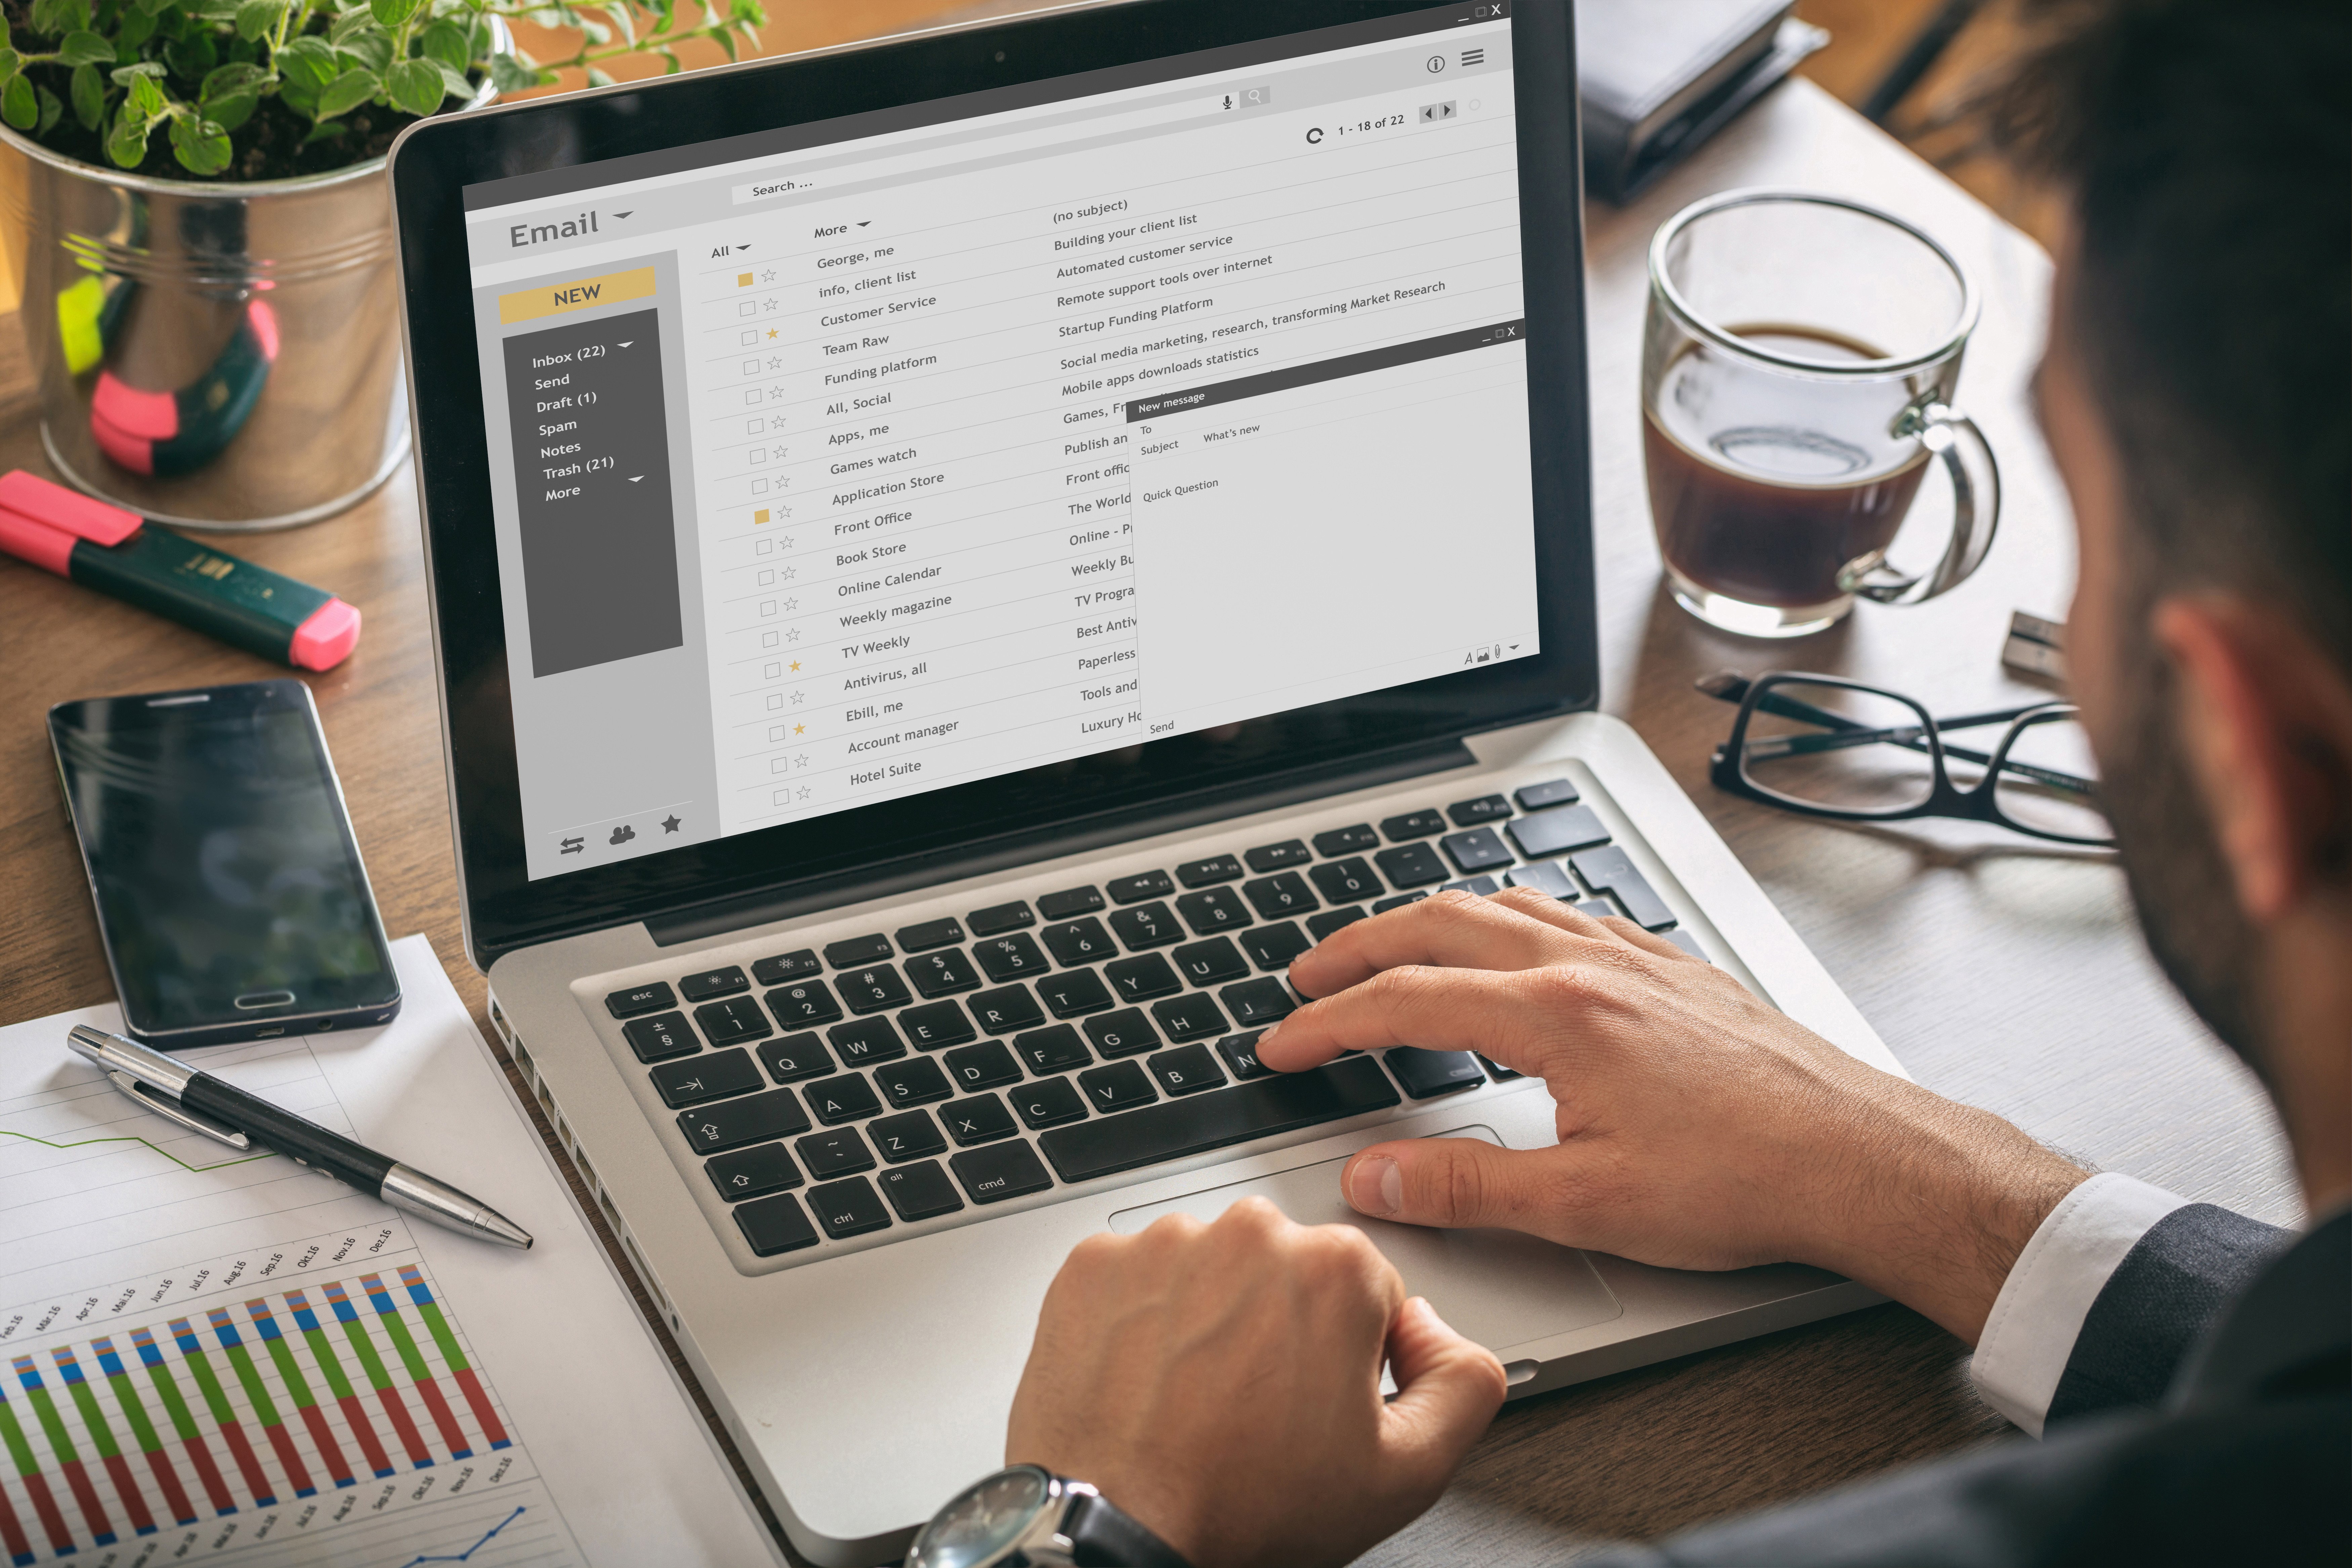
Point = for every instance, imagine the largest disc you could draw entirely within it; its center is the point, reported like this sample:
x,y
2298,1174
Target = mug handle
x,y
1953,436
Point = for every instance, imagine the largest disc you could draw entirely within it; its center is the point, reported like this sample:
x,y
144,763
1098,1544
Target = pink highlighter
x,y
144,563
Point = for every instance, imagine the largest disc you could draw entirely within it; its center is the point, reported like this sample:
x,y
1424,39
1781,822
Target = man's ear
x,y
2265,717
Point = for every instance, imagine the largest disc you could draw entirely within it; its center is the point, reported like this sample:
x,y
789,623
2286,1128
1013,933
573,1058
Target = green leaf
x,y
230,80
11,62
256,18
85,49
89,96
671,64
347,92
307,61
392,13
599,76
18,107
147,94
123,75
596,32
234,110
127,143
727,42
445,41
192,57
300,97
625,22
200,144
51,17
509,73
750,14
136,28
415,86
323,130
454,82
371,49
53,110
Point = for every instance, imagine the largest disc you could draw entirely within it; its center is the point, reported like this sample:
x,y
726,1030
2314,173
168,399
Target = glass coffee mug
x,y
1796,372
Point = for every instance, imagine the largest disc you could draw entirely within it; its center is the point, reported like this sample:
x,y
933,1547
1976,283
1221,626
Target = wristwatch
x,y
1028,1517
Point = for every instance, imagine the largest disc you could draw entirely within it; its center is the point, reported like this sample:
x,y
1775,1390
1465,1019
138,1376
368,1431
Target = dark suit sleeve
x,y
2158,1303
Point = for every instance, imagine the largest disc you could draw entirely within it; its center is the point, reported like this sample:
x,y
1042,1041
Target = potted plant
x,y
195,192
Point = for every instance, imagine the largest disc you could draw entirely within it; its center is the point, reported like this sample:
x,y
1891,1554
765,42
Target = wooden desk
x,y
2001,973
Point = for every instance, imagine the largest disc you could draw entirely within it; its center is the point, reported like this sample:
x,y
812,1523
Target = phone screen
x,y
229,886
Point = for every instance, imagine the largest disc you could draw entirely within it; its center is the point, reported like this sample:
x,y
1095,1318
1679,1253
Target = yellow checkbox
x,y
761,515
742,280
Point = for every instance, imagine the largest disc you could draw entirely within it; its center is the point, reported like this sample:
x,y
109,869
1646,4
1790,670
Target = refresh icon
x,y
1315,136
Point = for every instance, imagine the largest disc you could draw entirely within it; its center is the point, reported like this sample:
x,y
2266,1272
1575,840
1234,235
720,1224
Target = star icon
x,y
792,604
798,728
802,760
771,331
770,305
790,573
794,635
775,362
796,664
670,823
805,791
797,698
769,276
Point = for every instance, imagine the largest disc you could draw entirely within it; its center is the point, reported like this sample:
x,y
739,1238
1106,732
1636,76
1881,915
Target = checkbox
x,y
748,308
765,547
758,455
754,427
759,486
749,337
775,732
766,608
742,280
783,796
767,580
755,397
774,672
750,367
776,699
768,640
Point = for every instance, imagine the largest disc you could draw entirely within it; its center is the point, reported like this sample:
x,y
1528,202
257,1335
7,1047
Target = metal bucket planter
x,y
221,355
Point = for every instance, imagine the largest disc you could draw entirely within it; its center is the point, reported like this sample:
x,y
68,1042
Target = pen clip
x,y
172,1111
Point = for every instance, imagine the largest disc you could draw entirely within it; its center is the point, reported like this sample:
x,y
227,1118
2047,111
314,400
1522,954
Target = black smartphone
x,y
229,888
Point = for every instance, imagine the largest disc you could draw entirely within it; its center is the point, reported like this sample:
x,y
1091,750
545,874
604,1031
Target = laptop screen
x,y
931,445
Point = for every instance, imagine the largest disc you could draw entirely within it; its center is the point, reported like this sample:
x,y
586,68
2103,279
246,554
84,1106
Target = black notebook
x,y
1659,77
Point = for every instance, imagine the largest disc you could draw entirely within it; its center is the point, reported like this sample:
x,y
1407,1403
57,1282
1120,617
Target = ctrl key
x,y
774,1224
848,1209
999,1171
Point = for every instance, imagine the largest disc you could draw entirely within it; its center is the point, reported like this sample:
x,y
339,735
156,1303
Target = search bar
x,y
790,182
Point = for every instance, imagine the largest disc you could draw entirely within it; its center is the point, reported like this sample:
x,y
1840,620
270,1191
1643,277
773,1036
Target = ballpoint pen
x,y
220,1110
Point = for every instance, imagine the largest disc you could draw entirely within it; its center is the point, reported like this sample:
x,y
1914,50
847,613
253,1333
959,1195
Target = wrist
x,y
1026,1516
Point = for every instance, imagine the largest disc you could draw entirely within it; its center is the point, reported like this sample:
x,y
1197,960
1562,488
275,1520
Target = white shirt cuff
x,y
2040,1310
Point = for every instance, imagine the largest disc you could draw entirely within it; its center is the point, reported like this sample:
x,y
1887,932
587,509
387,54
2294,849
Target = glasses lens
x,y
1838,747
2048,782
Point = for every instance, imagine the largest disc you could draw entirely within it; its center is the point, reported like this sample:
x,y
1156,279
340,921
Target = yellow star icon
x,y
771,331
796,663
798,727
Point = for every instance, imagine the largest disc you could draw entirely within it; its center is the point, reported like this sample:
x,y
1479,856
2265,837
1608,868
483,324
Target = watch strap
x,y
1101,1535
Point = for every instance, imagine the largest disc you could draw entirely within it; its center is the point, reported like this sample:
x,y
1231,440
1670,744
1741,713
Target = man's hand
x,y
1698,1127
1221,1384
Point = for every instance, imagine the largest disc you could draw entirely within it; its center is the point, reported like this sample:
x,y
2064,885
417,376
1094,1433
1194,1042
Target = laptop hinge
x,y
701,923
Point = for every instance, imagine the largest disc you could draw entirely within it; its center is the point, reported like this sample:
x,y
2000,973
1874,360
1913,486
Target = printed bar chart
x,y
200,1454
142,1430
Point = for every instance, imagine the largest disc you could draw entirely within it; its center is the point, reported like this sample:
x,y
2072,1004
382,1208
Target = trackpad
x,y
1497,1286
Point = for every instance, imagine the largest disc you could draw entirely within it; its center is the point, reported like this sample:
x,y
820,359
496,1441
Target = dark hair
x,y
2206,150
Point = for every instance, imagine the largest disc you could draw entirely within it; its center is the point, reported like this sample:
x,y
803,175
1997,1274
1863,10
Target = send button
x,y
576,294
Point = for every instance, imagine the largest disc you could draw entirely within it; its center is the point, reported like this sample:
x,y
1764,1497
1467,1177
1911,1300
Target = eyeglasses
x,y
1830,747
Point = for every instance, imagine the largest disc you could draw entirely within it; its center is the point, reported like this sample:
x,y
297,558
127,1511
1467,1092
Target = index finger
x,y
1448,930
1438,1009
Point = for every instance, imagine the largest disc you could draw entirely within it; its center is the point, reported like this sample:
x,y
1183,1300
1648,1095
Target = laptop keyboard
x,y
903,1076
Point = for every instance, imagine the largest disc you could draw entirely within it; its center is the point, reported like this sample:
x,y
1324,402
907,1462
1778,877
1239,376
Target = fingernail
x,y
1376,1185
1271,1031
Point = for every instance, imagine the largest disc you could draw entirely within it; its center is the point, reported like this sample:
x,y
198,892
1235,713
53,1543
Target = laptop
x,y
953,561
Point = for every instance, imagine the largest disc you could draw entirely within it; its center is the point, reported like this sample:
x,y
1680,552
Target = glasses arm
x,y
1911,737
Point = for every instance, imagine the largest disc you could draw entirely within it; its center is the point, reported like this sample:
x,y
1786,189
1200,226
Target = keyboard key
x,y
916,1083
936,1024
1484,809
1411,866
1048,1050
736,1018
1563,828
661,1037
754,1119
753,1173
1480,885
942,974
1208,963
1683,939
1550,792
1497,1071
701,1078
787,967
1212,910
1076,942
998,918
1426,1074
1010,958
1070,902
919,1192
1142,885
846,1098
1120,1086
1273,946
1279,897
1609,871
834,1153
1279,857
979,1120
806,1002
944,933
848,1209
1202,873
1599,909
649,998
795,1057
1239,1054
1283,1103
983,1066
1049,1103
1544,876
1005,1010
712,983
1346,840
1147,926
991,1175
1385,904
857,951
1078,991
873,989
1256,1003
1142,978
1318,926
865,1041
1412,825
911,1137
1480,849
1346,882
1195,1017
1121,1033
773,1225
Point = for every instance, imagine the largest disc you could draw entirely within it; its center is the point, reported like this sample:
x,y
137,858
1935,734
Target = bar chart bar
x,y
102,1433
403,1342
322,1351
379,1378
37,1485
183,1423
232,1431
477,1396
281,1354
77,1474
264,1409
142,1431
